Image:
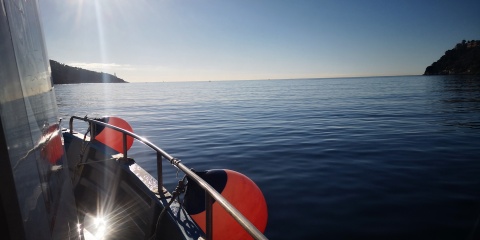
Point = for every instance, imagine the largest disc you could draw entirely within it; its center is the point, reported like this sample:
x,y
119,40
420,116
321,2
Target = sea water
x,y
351,158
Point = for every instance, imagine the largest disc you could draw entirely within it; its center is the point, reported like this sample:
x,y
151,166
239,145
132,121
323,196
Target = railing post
x,y
159,172
209,215
70,125
125,145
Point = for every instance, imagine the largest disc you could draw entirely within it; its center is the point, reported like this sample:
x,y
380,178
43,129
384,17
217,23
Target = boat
x,y
59,183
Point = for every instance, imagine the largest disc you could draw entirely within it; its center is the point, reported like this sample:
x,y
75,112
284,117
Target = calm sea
x,y
356,158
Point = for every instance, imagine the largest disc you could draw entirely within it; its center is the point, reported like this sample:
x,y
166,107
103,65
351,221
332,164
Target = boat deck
x,y
122,195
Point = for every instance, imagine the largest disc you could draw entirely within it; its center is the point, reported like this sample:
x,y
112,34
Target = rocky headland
x,y
464,59
64,74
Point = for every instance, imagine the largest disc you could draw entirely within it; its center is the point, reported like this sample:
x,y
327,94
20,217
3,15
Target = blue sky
x,y
199,40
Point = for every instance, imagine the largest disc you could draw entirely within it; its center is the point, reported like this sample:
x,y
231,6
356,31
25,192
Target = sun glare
x,y
100,227
95,227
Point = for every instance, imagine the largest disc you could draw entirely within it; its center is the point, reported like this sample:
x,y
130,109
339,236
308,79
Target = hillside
x,y
464,59
64,74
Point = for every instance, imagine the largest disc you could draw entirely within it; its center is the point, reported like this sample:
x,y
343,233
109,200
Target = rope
x,y
179,189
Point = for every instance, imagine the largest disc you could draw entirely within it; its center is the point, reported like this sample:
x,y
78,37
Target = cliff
x,y
464,59
64,74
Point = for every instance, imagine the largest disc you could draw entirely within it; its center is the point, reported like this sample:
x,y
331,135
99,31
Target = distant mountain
x,y
464,59
64,74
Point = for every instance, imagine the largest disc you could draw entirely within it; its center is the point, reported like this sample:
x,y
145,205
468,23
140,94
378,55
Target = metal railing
x,y
210,193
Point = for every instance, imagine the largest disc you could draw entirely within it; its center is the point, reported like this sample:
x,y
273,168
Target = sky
x,y
203,40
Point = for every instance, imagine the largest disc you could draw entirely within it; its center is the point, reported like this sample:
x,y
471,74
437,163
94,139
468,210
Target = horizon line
x,y
271,79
